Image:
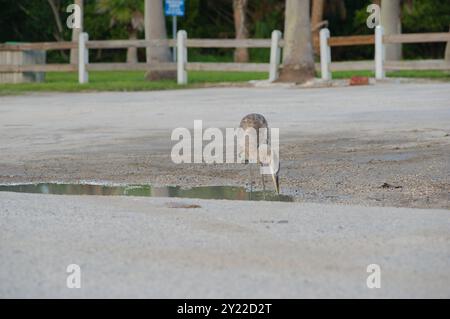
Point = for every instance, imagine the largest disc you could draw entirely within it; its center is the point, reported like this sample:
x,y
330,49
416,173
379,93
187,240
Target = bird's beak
x,y
276,182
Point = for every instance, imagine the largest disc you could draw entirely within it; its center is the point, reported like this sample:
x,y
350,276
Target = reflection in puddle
x,y
207,192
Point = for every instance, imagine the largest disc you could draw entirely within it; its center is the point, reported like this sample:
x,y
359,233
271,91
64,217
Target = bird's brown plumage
x,y
255,121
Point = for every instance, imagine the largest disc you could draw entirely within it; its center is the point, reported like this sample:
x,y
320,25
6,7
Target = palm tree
x,y
298,61
129,13
240,25
155,29
391,21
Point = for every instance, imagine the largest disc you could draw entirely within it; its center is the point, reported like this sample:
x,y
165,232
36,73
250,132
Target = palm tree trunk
x,y
240,21
391,22
76,33
316,19
155,29
298,61
132,53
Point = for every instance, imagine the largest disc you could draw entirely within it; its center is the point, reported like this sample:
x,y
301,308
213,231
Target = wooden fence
x,y
379,64
124,44
272,67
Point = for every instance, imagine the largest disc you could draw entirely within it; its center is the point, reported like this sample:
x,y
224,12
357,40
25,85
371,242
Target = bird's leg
x,y
263,183
264,186
251,179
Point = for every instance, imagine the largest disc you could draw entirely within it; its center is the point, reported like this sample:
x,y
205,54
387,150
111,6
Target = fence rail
x,y
389,39
44,46
227,43
417,37
351,40
125,44
275,44
417,65
38,68
199,66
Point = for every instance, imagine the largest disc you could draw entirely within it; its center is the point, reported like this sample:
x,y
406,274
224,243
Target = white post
x,y
325,54
275,55
181,57
379,53
83,58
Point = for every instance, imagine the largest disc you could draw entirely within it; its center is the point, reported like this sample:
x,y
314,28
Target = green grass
x,y
425,74
442,75
135,81
124,81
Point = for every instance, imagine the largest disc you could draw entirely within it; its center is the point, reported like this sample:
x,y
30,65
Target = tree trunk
x,y
76,33
316,19
59,26
298,60
391,22
240,25
155,29
132,53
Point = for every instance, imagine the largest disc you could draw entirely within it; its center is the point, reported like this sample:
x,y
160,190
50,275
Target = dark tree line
x,y
44,20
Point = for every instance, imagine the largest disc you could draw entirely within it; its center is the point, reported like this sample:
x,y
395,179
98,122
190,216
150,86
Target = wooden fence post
x,y
83,58
181,57
275,55
325,54
379,53
447,50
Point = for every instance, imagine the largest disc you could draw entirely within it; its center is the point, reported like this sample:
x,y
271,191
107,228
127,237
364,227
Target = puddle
x,y
207,192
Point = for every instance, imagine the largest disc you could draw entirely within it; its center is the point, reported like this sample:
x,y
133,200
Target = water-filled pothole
x,y
207,192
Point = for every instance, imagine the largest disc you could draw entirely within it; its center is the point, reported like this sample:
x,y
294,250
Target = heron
x,y
264,154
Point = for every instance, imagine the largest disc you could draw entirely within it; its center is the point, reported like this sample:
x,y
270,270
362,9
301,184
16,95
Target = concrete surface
x,y
338,145
146,248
